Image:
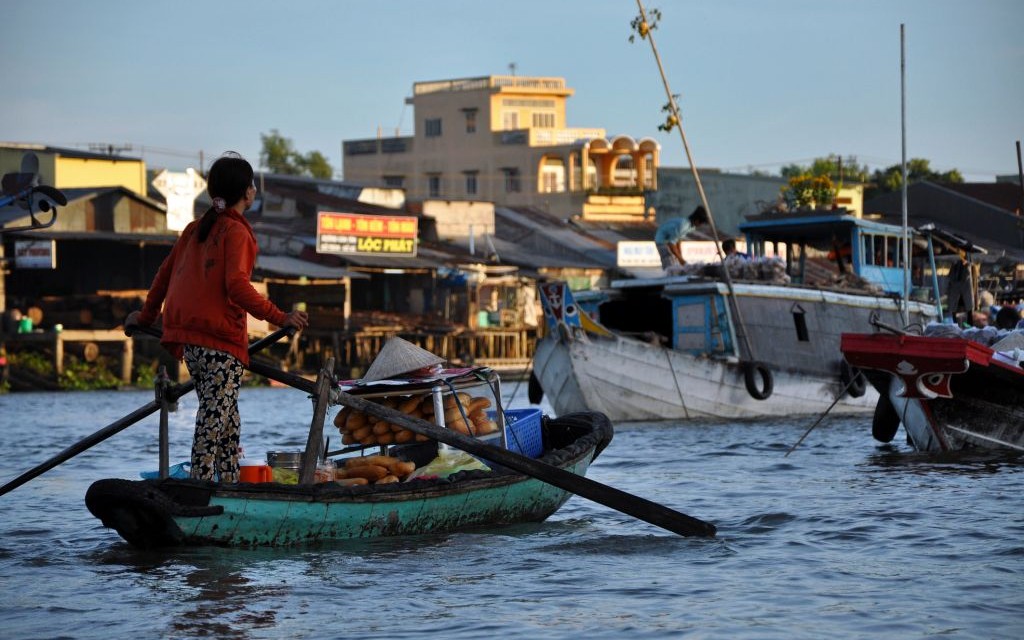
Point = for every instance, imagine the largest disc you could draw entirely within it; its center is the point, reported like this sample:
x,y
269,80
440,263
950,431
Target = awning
x,y
294,267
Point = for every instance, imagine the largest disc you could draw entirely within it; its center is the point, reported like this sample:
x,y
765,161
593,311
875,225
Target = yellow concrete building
x,y
504,139
71,168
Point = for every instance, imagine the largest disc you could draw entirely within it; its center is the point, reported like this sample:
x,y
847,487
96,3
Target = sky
x,y
761,83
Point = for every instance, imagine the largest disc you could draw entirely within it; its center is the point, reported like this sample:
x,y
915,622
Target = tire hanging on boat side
x,y
534,391
751,370
886,420
850,374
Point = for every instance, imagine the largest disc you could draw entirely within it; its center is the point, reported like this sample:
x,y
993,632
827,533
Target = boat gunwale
x,y
587,444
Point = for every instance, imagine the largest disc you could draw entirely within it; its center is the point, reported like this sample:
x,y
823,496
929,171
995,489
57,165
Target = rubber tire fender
x,y
849,373
750,372
886,420
534,391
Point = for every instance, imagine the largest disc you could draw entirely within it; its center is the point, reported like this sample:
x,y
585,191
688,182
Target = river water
x,y
843,538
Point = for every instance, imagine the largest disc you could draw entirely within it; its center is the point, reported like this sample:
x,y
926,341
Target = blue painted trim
x,y
707,329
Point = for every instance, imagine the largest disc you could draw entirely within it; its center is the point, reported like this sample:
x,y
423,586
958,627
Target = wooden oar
x,y
120,425
641,508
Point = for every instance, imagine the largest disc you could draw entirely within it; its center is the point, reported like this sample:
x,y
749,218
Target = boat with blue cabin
x,y
764,342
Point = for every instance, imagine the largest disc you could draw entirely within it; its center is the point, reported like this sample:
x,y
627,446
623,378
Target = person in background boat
x,y
671,232
959,289
979,319
729,249
205,291
1007,317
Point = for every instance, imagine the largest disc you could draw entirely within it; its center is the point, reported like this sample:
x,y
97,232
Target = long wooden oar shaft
x,y
120,425
641,508
96,438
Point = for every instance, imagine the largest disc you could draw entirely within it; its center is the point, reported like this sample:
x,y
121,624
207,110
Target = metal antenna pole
x,y
905,306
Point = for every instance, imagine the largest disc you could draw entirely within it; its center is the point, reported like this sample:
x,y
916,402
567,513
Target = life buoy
x,y
853,379
750,372
534,391
886,420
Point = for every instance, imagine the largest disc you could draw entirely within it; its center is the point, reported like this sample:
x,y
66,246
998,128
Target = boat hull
x,y
947,393
159,513
631,380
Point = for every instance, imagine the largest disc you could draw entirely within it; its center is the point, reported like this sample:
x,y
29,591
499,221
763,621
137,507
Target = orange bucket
x,y
254,471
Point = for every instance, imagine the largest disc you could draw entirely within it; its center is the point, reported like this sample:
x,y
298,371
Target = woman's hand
x,y
297,319
131,322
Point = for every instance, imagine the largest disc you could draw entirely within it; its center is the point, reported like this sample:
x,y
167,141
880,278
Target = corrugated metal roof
x,y
289,266
984,224
67,153
116,236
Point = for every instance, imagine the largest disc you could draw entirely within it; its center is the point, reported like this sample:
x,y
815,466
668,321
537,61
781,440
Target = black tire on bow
x,y
886,420
753,370
534,391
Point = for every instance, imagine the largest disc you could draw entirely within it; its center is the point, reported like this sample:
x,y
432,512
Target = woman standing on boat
x,y
205,291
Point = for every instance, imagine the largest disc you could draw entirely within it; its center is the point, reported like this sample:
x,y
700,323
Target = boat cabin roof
x,y
811,227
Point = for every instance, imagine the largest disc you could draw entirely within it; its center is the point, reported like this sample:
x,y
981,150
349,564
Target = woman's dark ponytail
x,y
229,178
206,223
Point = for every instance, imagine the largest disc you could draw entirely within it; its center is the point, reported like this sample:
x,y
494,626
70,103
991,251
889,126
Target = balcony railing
x,y
486,82
551,137
373,146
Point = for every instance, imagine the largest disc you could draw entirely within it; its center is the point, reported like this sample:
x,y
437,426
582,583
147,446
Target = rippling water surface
x,y
843,538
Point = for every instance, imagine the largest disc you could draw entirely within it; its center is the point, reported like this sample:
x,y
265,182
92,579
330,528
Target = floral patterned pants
x,y
218,376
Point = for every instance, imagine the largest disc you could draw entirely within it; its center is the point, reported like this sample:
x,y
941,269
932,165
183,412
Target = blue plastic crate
x,y
522,431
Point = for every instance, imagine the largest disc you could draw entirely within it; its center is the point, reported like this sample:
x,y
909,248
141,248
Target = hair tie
x,y
219,204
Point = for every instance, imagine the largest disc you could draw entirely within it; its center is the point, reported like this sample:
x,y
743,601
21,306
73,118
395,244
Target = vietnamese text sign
x,y
354,233
633,253
35,254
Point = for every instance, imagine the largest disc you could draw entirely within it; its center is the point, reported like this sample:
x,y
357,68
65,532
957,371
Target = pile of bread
x,y
373,470
462,412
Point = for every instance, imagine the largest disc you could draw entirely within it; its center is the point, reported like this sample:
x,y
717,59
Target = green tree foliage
x,y
279,156
315,164
891,178
848,170
836,168
277,153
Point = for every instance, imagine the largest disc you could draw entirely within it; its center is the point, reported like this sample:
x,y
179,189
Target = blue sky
x,y
763,83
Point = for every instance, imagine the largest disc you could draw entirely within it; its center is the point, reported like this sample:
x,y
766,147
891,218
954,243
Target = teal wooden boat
x,y
171,512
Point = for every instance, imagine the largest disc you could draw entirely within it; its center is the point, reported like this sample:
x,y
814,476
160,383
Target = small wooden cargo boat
x,y
517,466
170,512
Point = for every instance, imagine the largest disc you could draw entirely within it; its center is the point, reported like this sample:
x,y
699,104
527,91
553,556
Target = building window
x,y
434,185
432,127
510,120
394,181
544,120
471,185
470,120
512,181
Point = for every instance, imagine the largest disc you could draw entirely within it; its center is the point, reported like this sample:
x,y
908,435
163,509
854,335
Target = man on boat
x,y
672,231
959,287
729,249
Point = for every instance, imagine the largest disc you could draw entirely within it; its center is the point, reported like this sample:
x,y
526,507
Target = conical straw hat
x,y
399,356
